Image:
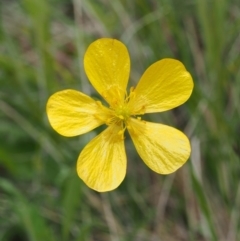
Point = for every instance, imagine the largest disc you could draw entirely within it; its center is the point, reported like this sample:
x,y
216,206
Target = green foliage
x,y
42,44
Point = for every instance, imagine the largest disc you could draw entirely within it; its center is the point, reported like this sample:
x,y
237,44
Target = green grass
x,y
42,44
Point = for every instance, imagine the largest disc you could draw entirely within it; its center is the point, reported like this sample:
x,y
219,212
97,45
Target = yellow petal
x,y
163,148
102,163
72,113
107,65
165,85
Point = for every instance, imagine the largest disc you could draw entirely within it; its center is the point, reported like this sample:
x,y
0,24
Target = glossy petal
x,y
163,149
107,65
72,113
102,163
165,85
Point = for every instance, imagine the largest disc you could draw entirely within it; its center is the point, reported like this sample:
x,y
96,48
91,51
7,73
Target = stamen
x,y
110,120
121,132
131,94
99,103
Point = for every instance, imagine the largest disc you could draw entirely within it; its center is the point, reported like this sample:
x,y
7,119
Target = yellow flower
x,y
164,85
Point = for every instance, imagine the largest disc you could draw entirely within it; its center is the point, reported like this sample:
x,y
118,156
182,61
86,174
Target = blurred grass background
x,y
42,43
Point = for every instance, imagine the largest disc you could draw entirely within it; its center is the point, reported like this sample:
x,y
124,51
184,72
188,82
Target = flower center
x,y
119,110
122,112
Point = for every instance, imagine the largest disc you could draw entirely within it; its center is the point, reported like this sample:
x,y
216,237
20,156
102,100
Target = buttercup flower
x,y
164,85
